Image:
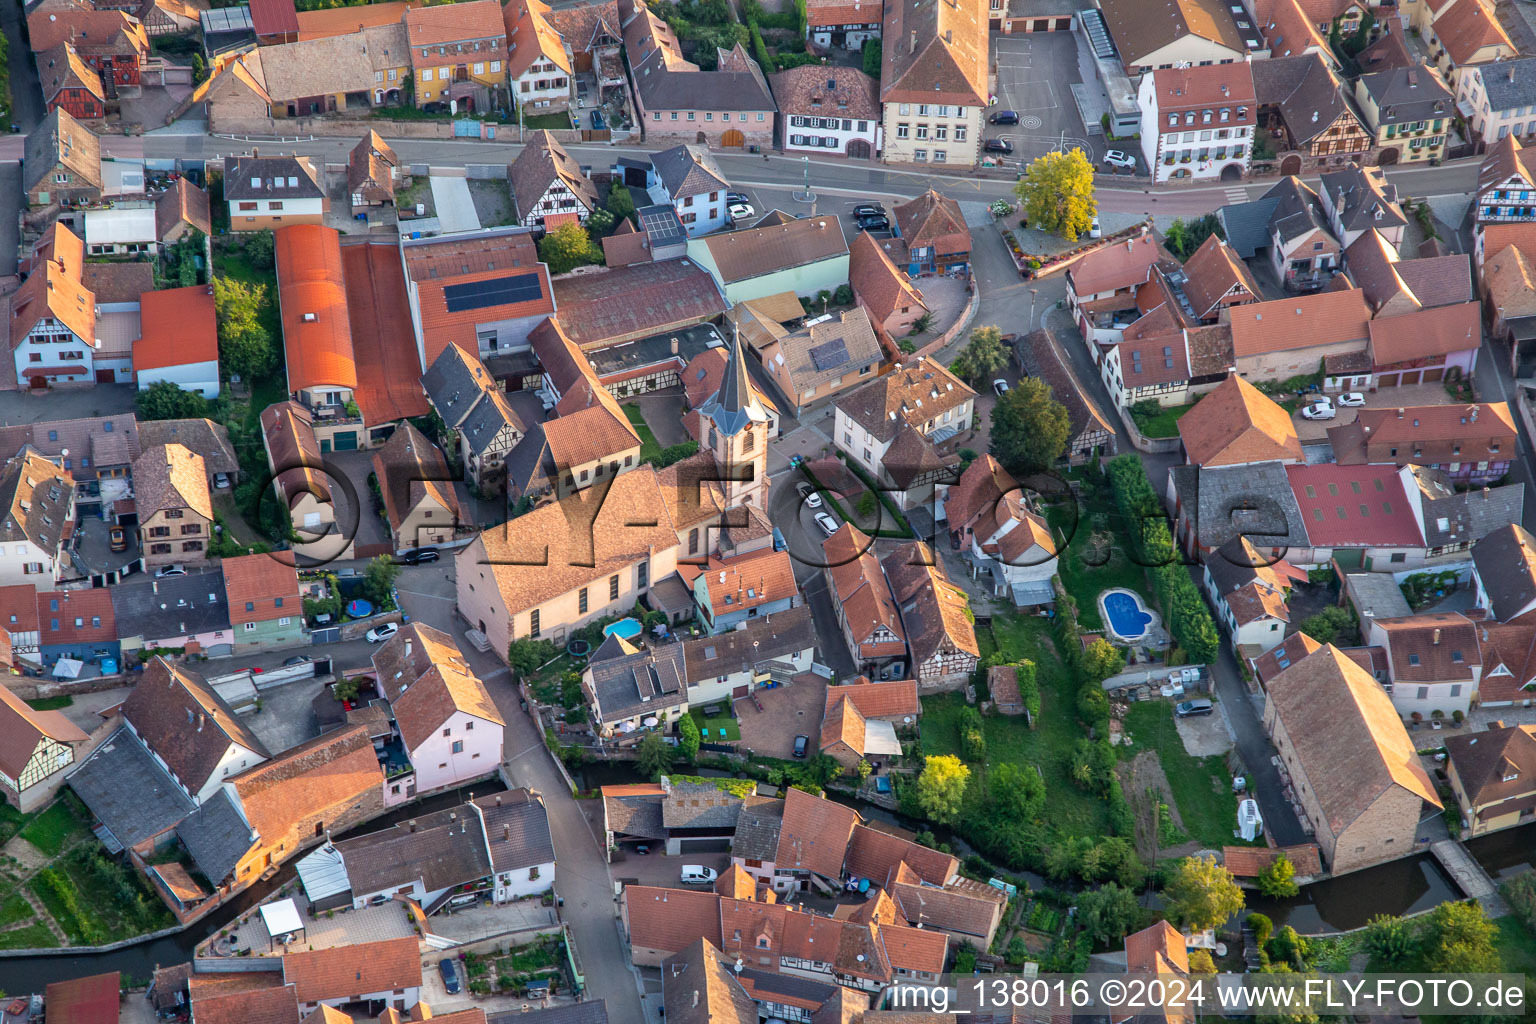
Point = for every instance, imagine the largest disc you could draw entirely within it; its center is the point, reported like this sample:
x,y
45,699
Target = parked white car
x,y
1117,158
739,211
698,874
1319,411
827,523
1351,400
379,634
1000,386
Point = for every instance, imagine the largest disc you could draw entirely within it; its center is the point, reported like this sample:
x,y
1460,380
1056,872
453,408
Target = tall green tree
x,y
619,202
1018,793
568,247
1029,428
1100,660
245,346
1389,943
981,358
163,400
653,757
1278,880
379,578
688,737
941,786
1056,194
1201,894
1458,938
1108,913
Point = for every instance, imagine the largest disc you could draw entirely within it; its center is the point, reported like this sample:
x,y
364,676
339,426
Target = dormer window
x,y
1413,659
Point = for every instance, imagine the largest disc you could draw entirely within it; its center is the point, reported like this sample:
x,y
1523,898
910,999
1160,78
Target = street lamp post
x,y
807,196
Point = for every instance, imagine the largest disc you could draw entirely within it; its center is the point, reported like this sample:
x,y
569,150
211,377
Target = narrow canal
x,y
30,974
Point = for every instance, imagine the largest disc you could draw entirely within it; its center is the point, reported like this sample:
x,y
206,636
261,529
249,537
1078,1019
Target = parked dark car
x,y
1192,708
1004,117
867,210
420,556
598,124
450,973
997,146
801,742
877,222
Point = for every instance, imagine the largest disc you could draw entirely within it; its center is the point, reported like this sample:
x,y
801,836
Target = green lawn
x,y
650,449
553,122
1164,424
715,724
55,828
1202,786
1517,945
34,936
229,261
1091,537
13,909
51,703
1071,810
11,821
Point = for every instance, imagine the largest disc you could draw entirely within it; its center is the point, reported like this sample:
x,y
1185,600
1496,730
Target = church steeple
x,y
735,406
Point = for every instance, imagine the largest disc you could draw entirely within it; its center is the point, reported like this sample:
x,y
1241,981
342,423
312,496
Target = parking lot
x,y
1385,398
1035,74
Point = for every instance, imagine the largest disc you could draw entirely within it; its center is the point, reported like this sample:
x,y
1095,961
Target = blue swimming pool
x,y
624,629
1126,615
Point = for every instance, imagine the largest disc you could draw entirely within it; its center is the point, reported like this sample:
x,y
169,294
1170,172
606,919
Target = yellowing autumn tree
x,y
1056,194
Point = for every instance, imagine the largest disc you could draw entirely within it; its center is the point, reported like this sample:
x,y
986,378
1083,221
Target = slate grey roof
x,y
757,828
638,816
217,835
688,171
1298,210
765,639
1255,500
1229,567
766,984
699,805
202,436
1504,561
1362,201
485,423
450,382
1510,83
274,169
1305,91
446,848
517,829
648,681
1452,517
530,460
735,406
662,89
127,790
1405,95
1247,225
177,606
592,1011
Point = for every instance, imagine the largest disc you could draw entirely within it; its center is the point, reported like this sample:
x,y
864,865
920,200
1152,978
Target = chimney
x,y
407,647
696,991
1399,413
674,346
1436,640
1486,493
255,152
506,833
201,718
411,825
1498,724
498,799
911,48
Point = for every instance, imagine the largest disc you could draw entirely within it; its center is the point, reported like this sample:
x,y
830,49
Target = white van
x,y
697,874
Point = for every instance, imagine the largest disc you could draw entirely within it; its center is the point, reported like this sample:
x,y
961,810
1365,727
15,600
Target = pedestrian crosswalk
x,y
1237,195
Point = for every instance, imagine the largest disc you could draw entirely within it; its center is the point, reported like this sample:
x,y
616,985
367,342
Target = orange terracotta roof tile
x,y
815,834
342,971
179,328
1236,424
1299,322
436,265
317,334
260,580
387,363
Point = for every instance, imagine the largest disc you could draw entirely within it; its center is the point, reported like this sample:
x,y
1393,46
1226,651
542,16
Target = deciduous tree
x,y
245,347
941,786
1278,881
568,247
688,737
653,757
1458,938
1100,660
1056,194
981,358
1201,894
1018,793
1108,913
163,400
1029,428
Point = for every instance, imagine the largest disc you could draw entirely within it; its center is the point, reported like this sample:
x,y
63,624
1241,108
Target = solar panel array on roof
x,y
498,291
662,225
830,354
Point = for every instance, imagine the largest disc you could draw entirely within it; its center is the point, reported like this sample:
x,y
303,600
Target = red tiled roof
x,y
844,12
435,264
815,834
671,919
1299,322
1354,506
874,855
317,335
1426,333
179,328
92,1000
892,699
387,363
85,605
260,580
452,23
1116,266
22,728
343,971
1237,424
263,1006
274,17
